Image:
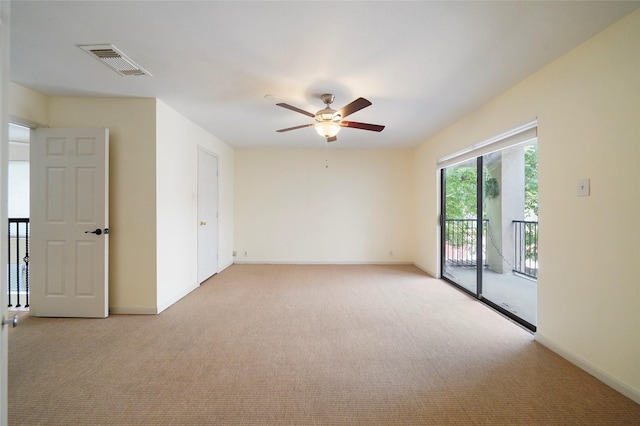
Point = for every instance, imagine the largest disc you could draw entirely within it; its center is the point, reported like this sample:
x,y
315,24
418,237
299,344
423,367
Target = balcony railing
x,y
18,263
526,248
461,250
460,242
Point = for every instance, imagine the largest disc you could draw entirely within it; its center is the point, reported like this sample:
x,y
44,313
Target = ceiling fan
x,y
329,121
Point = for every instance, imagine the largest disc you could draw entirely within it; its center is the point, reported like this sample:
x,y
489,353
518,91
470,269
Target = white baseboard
x,y
168,302
598,373
321,262
137,310
131,310
225,266
425,270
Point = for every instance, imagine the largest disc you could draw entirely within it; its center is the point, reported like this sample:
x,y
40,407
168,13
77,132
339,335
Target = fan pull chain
x,y
326,154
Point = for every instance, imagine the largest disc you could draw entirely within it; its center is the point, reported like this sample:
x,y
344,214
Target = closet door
x,y
207,214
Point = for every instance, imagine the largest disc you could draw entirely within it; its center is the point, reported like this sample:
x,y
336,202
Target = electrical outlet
x,y
390,253
246,254
234,253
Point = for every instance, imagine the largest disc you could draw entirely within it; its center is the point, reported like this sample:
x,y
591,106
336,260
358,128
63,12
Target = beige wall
x,y
588,109
289,207
132,196
26,105
152,185
132,183
178,140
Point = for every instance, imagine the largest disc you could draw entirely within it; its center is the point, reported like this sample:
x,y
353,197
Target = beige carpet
x,y
304,345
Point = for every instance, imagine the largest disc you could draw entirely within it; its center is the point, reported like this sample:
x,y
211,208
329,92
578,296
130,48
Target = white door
x,y
207,214
69,223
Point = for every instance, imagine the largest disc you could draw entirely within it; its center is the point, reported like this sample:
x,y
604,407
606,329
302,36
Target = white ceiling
x,y
423,65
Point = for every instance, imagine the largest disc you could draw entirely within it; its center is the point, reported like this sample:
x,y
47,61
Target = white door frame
x,y
4,164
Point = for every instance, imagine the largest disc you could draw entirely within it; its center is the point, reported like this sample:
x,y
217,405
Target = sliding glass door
x,y
490,229
460,231
510,200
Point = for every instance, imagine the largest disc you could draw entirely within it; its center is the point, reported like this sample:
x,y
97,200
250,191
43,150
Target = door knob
x,y
98,231
13,321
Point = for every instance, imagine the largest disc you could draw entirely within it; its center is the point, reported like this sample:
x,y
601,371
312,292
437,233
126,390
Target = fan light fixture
x,y
328,120
327,129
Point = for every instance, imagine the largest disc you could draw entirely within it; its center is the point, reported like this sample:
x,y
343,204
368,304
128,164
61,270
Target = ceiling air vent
x,y
114,59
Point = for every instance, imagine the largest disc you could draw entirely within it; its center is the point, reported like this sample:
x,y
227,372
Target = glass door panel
x,y
459,230
510,200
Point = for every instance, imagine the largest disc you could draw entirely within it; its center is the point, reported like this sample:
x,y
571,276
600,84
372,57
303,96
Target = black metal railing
x,y
18,263
460,238
526,248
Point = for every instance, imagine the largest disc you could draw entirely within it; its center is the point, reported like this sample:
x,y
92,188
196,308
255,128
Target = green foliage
x,y
460,190
531,182
460,187
461,200
491,188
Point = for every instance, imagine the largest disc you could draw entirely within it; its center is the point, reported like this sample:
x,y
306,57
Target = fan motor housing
x,y
327,114
327,98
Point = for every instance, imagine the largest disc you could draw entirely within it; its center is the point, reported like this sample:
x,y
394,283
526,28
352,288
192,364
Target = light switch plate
x,y
583,188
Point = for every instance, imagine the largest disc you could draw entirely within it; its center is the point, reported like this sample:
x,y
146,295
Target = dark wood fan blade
x,y
363,126
296,109
332,139
296,127
354,106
